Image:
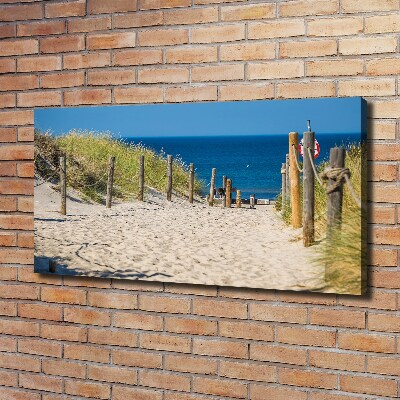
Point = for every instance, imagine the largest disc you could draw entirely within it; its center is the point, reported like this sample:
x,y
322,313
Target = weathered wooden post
x,y
169,184
228,193
308,189
287,179
252,201
238,198
63,184
294,179
110,181
335,198
141,177
212,186
191,182
224,189
283,172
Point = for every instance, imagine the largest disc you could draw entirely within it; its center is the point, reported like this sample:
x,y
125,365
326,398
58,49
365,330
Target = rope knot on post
x,y
338,175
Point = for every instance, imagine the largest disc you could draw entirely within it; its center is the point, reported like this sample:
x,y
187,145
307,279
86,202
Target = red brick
x,y
7,100
41,63
42,28
16,117
163,380
246,330
246,92
334,360
278,354
215,34
26,134
383,66
266,312
136,358
7,31
366,342
19,328
305,90
389,235
38,382
183,94
258,392
138,94
252,11
88,60
40,311
351,6
138,321
217,308
39,99
14,394
276,29
384,322
196,365
368,385
191,55
163,37
112,300
349,67
306,7
113,337
165,342
64,368
7,204
220,387
155,4
8,309
89,24
191,16
111,40
105,6
382,257
19,362
8,239
25,170
8,378
8,135
223,348
123,393
218,73
63,332
247,52
296,377
137,57
25,204
63,295
367,45
384,365
86,353
247,371
340,318
163,75
8,344
87,389
190,326
16,256
16,82
39,347
112,374
7,65
63,79
87,317
310,48
367,87
138,20
87,96
307,337
65,9
382,173
335,26
62,44
21,12
16,222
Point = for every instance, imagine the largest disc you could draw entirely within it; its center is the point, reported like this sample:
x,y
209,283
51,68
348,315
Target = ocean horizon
x,y
253,162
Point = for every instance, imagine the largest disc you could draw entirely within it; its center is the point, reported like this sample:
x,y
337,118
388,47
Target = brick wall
x,y
74,338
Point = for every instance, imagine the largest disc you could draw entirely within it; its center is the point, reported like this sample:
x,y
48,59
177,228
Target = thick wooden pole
x,y
238,198
110,181
228,194
294,180
141,178
212,186
169,184
224,188
284,199
191,182
287,179
63,185
308,190
335,198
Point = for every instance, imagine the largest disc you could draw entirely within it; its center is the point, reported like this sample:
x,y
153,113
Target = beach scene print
x,y
253,194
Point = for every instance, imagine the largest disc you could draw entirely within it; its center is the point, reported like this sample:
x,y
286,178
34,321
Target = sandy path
x,y
175,242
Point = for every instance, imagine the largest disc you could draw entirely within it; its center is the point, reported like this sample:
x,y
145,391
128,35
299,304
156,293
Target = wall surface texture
x,y
71,338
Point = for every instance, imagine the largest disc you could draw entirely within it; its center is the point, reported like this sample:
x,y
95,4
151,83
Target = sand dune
x,y
174,242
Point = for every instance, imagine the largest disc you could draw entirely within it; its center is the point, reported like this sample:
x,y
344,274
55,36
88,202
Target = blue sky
x,y
331,115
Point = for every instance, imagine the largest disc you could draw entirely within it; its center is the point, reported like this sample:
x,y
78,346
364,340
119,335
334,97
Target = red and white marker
x,y
317,148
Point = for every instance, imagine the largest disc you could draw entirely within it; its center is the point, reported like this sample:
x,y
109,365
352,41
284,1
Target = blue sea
x,y
252,162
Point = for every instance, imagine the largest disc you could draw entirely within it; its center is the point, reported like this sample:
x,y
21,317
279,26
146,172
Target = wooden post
x,y
169,185
224,188
287,179
294,180
212,186
63,184
252,201
283,172
110,181
238,198
141,177
228,194
308,189
335,198
191,182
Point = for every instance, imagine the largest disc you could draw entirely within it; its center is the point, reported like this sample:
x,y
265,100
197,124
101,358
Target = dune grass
x,y
88,156
344,253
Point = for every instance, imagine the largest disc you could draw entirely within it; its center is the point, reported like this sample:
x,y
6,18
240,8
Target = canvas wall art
x,y
254,194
